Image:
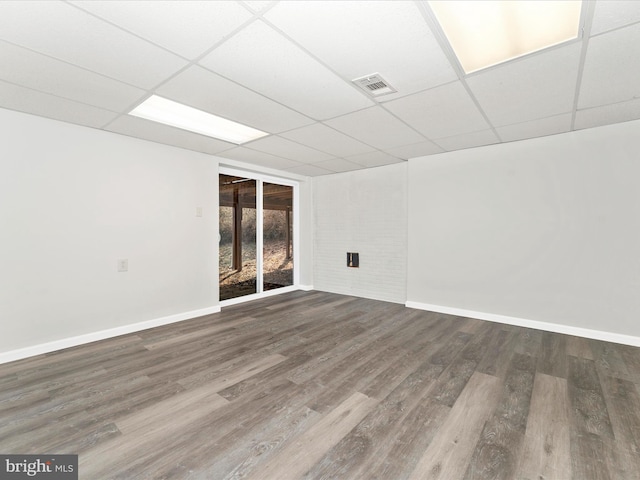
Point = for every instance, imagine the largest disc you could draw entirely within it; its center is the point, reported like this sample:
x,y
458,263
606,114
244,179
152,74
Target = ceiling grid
x,y
286,68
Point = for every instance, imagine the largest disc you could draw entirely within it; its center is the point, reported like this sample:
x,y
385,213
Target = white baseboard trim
x,y
522,322
48,347
306,288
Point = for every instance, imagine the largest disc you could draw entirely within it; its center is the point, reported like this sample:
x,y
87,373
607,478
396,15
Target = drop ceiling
x,y
286,68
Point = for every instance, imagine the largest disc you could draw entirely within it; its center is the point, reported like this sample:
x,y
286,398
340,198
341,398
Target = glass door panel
x,y
238,234
277,235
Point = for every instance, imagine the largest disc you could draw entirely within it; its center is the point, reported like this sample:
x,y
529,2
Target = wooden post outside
x,y
236,254
288,213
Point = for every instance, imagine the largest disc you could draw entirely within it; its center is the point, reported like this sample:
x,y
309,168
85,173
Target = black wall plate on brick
x,y
353,260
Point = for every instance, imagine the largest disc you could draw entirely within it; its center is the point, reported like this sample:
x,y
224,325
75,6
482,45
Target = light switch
x,y
123,265
198,211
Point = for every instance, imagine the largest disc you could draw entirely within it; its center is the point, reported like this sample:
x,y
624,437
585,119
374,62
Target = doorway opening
x,y
257,231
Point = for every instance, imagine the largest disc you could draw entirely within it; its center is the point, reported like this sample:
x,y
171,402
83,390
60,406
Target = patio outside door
x,y
255,216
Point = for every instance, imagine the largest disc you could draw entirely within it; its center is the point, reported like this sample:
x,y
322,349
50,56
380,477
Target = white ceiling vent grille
x,y
374,85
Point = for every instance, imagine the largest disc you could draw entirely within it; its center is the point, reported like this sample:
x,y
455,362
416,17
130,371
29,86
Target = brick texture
x,y
366,212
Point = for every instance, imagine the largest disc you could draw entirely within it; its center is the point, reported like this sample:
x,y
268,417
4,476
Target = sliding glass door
x,y
256,215
237,236
277,235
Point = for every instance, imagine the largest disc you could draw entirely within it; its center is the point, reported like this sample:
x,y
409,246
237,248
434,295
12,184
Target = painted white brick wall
x,y
366,212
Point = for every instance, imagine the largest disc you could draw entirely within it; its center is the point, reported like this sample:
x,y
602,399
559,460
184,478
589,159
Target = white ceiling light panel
x,y
486,33
177,115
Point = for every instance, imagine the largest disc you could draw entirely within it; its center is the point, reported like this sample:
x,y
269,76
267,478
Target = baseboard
x,y
522,322
48,347
306,288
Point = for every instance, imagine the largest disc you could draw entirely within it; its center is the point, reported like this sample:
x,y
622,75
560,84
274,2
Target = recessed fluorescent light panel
x,y
485,33
175,114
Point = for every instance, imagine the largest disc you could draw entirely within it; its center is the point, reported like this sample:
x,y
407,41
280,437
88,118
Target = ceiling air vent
x,y
374,85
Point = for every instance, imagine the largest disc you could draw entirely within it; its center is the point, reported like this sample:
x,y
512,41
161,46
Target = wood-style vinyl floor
x,y
320,386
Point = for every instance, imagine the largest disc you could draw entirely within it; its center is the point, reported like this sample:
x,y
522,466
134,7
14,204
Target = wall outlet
x,y
123,265
198,211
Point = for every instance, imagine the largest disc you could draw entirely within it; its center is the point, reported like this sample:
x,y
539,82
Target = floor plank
x,y
623,400
300,454
579,347
450,452
152,427
552,359
588,406
372,438
546,452
498,450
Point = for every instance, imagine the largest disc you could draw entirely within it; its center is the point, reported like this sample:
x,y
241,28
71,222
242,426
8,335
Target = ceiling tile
x,y
258,5
26,100
282,147
532,87
611,68
358,38
338,165
244,154
373,159
268,61
536,128
212,93
440,112
328,140
46,74
468,140
612,14
63,31
607,114
309,170
157,132
376,127
186,28
406,152
284,68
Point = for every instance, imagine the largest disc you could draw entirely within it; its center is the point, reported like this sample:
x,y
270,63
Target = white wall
x,y
366,212
73,201
545,229
306,233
